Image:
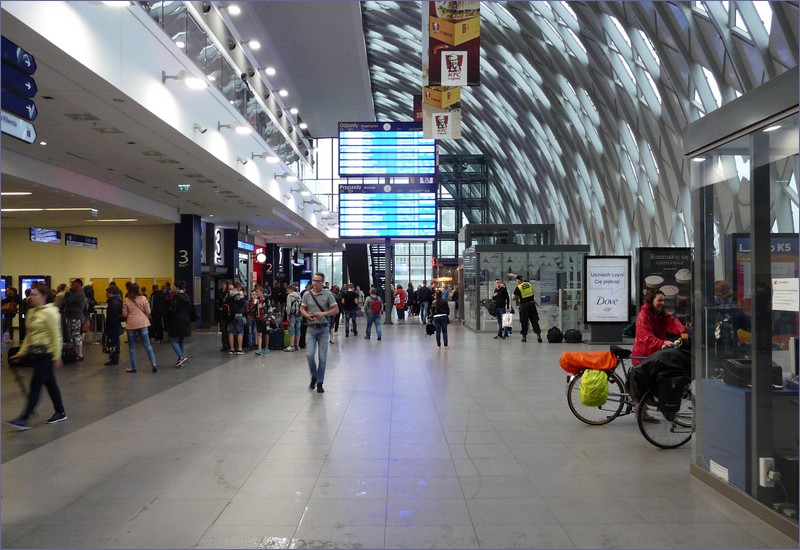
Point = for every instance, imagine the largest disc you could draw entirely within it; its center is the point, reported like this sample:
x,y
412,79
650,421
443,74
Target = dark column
x,y
187,252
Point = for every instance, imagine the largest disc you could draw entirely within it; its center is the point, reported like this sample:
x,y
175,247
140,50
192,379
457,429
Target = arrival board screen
x,y
377,210
385,149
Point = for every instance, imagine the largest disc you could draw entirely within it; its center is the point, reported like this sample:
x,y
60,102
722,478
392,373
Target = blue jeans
x,y
440,324
317,336
144,336
251,333
374,318
295,325
177,345
348,315
424,310
504,332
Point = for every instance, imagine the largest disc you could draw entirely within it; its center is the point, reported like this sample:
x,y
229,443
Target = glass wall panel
x,y
747,257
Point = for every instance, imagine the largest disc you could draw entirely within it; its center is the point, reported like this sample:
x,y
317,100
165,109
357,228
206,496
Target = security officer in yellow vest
x,y
527,308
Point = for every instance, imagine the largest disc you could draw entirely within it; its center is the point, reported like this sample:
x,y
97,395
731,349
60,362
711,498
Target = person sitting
x,y
652,326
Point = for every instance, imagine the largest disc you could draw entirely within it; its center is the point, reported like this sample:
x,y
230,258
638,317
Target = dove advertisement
x,y
608,288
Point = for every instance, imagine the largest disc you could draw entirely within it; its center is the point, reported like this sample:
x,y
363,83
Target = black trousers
x,y
8,324
157,328
223,328
43,375
527,312
112,343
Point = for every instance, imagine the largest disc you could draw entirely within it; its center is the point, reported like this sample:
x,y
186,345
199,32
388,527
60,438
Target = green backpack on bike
x,y
594,388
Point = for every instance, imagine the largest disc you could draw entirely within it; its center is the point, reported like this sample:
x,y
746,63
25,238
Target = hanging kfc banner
x,y
451,47
441,112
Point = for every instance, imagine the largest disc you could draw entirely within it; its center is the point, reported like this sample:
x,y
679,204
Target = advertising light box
x,y
369,149
608,288
377,210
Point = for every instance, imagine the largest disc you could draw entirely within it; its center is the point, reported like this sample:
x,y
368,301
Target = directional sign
x,y
18,81
17,56
18,104
18,128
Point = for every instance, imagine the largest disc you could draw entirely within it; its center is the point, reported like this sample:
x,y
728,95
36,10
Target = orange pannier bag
x,y
575,361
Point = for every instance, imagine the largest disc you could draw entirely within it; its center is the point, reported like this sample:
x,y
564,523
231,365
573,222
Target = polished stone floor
x,y
409,447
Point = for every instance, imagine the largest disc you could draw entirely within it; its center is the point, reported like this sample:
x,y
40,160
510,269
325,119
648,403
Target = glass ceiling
x,y
582,104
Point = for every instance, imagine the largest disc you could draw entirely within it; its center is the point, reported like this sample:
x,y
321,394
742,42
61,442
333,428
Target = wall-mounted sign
x,y
385,149
608,288
81,241
375,210
219,246
42,235
17,92
670,271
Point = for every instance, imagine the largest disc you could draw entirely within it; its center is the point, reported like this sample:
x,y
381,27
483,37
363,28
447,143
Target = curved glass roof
x,y
582,104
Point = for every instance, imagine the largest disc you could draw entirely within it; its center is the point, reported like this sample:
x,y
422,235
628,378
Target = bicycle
x,y
663,422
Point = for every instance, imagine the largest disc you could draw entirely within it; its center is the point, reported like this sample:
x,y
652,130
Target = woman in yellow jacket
x,y
42,350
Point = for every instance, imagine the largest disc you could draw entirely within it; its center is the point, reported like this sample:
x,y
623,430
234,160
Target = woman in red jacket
x,y
399,299
652,326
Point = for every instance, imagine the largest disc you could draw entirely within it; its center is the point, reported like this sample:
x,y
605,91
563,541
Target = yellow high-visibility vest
x,y
525,290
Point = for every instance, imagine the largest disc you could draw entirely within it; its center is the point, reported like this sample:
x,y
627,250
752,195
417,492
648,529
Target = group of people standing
x,y
528,313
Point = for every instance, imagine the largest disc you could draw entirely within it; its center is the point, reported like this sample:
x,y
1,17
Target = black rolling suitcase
x,y
303,329
275,338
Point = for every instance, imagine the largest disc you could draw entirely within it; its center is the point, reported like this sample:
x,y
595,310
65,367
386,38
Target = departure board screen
x,y
385,149
378,210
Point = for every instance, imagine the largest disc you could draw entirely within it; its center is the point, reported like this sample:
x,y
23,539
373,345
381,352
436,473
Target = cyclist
x,y
652,326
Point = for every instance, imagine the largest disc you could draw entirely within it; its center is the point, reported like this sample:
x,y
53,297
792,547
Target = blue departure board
x,y
377,210
385,149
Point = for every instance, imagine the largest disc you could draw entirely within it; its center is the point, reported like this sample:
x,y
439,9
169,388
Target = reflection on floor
x,y
410,446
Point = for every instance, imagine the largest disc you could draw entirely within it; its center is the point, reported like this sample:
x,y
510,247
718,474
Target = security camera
x,y
279,114
231,44
206,7
250,72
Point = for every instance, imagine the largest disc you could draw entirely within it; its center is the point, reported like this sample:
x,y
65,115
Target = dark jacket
x,y
180,318
74,305
158,304
501,298
113,312
424,295
440,307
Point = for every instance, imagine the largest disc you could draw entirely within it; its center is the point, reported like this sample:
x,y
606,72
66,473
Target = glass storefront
x,y
747,265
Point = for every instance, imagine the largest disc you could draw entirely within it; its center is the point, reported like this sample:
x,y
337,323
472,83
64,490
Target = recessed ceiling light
x,y
254,45
294,110
303,125
234,10
772,128
283,93
270,71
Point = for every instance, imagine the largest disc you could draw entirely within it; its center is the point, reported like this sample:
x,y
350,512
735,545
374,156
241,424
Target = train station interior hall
x,y
264,142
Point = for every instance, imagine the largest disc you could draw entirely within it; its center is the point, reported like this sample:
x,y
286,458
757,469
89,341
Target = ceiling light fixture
x,y
187,78
14,193
273,159
291,177
270,71
238,128
699,159
303,126
254,45
21,209
282,92
233,9
294,110
772,128
114,220
306,193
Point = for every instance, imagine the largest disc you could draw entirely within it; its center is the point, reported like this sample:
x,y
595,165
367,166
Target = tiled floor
x,y
410,447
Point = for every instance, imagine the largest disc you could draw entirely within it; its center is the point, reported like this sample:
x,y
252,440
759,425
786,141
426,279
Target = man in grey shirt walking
x,y
318,303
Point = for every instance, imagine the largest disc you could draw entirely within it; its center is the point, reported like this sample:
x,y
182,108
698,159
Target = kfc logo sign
x,y
442,122
454,71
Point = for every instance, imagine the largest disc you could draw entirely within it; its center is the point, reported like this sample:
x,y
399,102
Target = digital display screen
x,y
385,149
41,235
377,210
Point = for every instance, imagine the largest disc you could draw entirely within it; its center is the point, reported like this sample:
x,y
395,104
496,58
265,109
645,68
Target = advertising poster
x,y
441,112
608,288
452,44
418,108
785,265
670,271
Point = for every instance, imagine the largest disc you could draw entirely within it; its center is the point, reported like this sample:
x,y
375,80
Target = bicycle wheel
x,y
596,415
663,432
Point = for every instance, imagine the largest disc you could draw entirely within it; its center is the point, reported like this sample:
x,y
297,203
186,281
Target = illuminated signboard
x,y
377,210
385,149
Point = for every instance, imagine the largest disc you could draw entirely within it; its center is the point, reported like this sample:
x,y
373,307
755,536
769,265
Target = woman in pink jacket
x,y
136,312
652,326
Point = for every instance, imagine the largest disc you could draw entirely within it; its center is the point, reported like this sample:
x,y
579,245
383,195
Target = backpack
x,y
594,388
573,336
294,308
555,336
375,306
225,312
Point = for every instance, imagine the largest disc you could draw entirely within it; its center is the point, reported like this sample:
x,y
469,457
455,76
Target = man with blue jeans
x,y
372,304
318,303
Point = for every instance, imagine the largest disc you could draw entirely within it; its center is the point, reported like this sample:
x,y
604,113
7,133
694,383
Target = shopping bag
x,y
508,320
